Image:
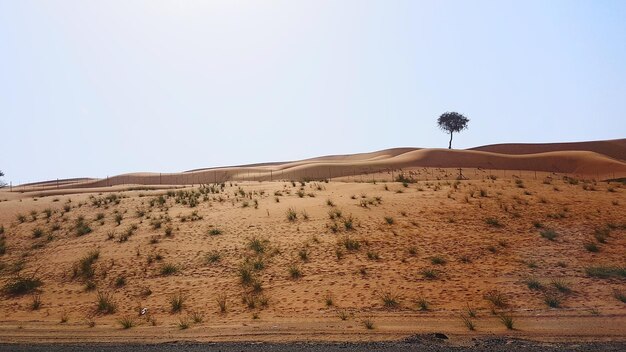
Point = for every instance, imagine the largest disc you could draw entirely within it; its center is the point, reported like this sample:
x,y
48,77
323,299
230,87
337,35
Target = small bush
x,y
348,223
215,232
245,275
120,281
606,272
292,215
177,302
168,269
213,257
561,285
257,245
183,324
36,302
548,234
37,233
592,247
295,272
552,300
422,304
351,244
389,220
534,284
105,303
304,254
497,299
493,222
126,322
430,274
506,320
390,300
197,317
368,323
82,228
437,260
469,324
373,255
328,299
21,285
221,302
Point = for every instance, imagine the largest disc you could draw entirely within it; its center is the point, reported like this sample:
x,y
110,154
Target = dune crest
x,y
599,160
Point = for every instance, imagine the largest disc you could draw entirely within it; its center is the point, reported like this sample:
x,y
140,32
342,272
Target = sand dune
x,y
613,148
597,160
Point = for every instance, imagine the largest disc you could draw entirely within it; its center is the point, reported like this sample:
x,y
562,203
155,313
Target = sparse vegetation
x,y
215,232
168,269
561,285
493,222
606,272
422,304
105,303
126,322
467,321
292,215
497,299
295,272
438,260
548,234
221,302
507,320
534,284
390,299
552,300
177,302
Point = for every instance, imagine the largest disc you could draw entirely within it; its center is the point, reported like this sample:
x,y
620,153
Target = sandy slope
x,y
578,163
485,231
612,148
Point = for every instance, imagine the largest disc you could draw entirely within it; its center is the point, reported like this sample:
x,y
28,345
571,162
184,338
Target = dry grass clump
x,y
21,285
105,303
177,302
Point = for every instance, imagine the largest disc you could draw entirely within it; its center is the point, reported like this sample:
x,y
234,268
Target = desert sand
x,y
374,246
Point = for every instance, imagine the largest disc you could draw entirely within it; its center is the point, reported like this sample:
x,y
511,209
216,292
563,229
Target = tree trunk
x,y
450,144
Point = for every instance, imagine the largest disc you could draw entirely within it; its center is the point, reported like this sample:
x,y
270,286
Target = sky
x,y
99,88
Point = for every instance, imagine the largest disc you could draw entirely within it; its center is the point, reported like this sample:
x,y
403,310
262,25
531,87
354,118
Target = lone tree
x,y
452,122
2,184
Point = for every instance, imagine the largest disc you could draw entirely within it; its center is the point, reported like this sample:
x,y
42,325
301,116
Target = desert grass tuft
x,y
507,320
21,285
422,304
177,302
105,304
126,322
168,269
390,299
222,302
295,272
467,321
561,285
548,234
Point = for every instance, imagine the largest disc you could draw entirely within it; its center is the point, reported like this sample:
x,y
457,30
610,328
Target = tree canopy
x,y
452,122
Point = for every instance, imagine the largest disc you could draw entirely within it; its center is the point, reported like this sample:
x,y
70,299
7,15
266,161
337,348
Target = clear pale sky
x,y
97,88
